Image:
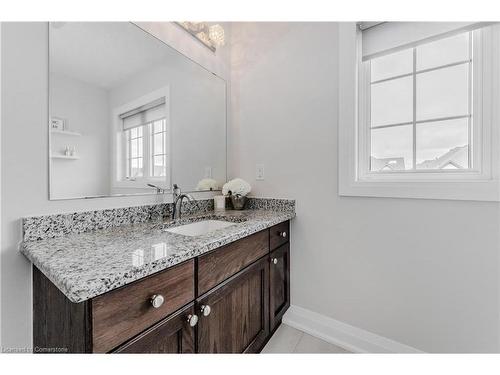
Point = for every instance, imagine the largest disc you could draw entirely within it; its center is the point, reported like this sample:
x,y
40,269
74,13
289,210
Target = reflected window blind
x,y
144,114
380,38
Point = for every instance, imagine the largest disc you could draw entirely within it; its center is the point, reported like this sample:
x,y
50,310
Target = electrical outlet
x,y
259,172
208,172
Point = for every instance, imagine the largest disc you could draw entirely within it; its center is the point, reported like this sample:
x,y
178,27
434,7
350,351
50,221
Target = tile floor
x,y
290,340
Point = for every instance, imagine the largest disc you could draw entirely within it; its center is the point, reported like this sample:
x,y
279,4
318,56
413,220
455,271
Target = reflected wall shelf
x,y
66,132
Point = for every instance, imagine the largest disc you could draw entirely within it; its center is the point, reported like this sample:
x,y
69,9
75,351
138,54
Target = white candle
x,y
219,203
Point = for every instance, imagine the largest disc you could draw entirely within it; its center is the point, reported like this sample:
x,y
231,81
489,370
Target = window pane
x,y
443,92
391,102
136,165
392,65
392,148
159,166
444,51
134,152
135,132
158,143
443,145
159,126
136,148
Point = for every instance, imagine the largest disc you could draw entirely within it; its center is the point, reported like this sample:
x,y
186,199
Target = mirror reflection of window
x,y
145,143
134,154
159,149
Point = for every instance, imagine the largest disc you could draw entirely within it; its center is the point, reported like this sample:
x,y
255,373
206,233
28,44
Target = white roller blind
x,y
388,37
145,114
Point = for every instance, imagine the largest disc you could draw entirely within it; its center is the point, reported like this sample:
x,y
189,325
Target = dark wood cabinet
x,y
171,335
57,322
279,235
279,284
216,266
239,313
235,295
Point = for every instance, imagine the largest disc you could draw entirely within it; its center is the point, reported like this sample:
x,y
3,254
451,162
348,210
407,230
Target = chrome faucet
x,y
178,197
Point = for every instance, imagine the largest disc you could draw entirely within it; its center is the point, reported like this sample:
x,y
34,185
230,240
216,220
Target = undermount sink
x,y
200,227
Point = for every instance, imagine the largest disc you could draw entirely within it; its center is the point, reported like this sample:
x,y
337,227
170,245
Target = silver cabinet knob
x,y
205,310
283,234
274,260
192,320
157,300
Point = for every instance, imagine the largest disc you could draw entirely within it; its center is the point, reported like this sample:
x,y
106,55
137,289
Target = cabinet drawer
x,y
222,263
279,235
123,313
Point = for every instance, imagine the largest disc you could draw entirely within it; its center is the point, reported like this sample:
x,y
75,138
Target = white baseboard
x,y
354,339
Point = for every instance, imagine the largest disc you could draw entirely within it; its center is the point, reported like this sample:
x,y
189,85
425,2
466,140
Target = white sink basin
x,y
200,227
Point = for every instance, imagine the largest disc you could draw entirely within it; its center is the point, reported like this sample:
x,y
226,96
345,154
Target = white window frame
x,y
355,179
118,179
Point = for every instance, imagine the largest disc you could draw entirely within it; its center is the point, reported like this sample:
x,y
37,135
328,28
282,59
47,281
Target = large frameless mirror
x,y
130,115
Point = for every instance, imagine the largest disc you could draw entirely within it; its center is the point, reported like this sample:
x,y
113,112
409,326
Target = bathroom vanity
x,y
130,279
222,292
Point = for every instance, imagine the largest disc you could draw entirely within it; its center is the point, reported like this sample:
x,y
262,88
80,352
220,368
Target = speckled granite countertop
x,y
88,264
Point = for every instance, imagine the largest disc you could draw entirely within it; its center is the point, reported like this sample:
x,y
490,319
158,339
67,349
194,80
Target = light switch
x,y
259,172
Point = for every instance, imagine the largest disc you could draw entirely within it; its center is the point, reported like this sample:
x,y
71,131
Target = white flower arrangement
x,y
236,187
207,184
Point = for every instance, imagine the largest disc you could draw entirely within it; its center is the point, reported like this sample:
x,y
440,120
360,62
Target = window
x,y
417,110
158,149
136,145
143,133
420,107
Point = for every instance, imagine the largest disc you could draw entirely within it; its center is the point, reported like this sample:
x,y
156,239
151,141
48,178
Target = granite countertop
x,y
88,264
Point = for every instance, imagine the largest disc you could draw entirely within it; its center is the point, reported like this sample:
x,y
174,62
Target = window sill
x,y
425,176
475,190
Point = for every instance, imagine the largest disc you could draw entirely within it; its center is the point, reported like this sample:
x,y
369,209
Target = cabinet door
x,y
171,335
279,284
234,317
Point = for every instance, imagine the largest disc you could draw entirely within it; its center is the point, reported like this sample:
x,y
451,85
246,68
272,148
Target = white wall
x,y
24,174
85,108
424,273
